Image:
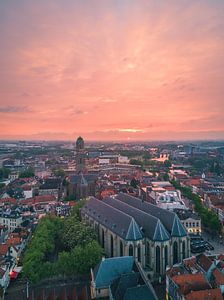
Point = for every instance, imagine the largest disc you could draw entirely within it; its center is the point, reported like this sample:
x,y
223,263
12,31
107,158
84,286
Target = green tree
x,y
86,257
75,212
59,173
134,183
136,162
4,173
166,177
167,163
27,173
209,218
76,233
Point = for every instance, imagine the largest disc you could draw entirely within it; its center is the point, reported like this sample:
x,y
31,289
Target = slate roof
x,y
168,218
120,285
112,268
178,229
150,226
78,179
51,183
117,221
139,292
134,232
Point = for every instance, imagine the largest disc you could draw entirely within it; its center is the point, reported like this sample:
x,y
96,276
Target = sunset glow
x,y
112,70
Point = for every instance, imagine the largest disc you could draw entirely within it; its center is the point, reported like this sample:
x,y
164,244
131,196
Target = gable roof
x,y
3,249
110,269
219,276
134,232
191,282
204,262
160,233
167,217
117,221
210,294
78,179
148,223
178,229
139,292
121,284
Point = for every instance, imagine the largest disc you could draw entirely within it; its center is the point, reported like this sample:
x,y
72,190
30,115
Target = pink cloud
x,y
98,67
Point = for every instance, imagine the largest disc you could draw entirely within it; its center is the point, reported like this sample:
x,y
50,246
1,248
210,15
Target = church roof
x,y
134,232
160,233
110,269
141,292
117,221
125,281
80,178
167,217
148,223
83,180
178,229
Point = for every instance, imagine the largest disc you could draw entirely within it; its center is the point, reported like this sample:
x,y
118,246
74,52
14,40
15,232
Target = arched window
x,y
147,255
131,251
157,259
166,255
184,250
175,252
111,246
139,253
121,248
103,238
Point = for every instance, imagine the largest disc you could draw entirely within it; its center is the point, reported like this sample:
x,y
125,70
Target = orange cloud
x,y
111,70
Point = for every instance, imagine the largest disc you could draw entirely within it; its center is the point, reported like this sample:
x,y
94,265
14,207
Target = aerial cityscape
x,y
111,150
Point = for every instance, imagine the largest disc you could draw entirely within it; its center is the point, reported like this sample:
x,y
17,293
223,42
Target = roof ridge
x,y
162,231
100,201
178,223
147,203
148,214
134,225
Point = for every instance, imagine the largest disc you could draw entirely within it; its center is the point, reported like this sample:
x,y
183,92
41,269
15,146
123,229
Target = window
x,y
139,253
175,252
184,250
186,224
103,238
111,246
193,224
190,224
166,256
147,254
157,259
121,248
131,250
197,224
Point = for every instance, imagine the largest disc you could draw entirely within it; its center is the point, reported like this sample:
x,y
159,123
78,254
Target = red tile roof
x,y
3,249
12,241
210,294
204,262
38,200
8,200
219,276
191,282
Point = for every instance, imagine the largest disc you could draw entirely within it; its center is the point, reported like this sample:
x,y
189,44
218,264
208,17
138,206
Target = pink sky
x,y
112,70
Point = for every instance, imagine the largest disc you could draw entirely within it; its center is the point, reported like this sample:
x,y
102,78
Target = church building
x,y
81,184
128,226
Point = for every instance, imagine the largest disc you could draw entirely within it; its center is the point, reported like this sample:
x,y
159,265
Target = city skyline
x,y
111,70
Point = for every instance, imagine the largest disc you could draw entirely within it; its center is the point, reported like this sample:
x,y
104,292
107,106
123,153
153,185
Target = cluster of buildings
x,y
200,277
126,225
143,223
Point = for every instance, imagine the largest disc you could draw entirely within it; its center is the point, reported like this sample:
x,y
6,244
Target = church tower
x,y
80,155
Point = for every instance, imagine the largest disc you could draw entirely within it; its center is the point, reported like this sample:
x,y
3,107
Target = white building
x,y
10,220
